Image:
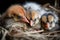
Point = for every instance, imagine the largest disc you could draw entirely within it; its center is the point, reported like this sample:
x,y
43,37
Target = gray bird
x,y
49,20
33,14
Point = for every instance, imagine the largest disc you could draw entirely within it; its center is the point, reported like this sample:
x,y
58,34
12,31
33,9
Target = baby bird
x,y
33,13
49,20
14,20
33,18
15,12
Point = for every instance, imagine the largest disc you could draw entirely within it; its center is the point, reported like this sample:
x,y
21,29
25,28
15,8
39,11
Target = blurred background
x,y
4,4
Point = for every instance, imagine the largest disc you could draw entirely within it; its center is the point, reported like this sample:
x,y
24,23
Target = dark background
x,y
4,4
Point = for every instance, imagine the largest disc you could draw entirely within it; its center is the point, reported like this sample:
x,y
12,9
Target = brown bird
x,y
14,18
17,12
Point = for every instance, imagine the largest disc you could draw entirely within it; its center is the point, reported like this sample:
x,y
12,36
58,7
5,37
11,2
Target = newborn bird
x,y
49,20
14,18
15,13
33,13
33,18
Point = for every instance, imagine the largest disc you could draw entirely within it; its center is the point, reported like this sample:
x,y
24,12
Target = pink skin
x,y
31,22
25,19
47,25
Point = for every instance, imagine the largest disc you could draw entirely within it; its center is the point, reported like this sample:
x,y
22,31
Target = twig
x,y
54,9
3,28
4,35
25,33
35,31
53,32
49,6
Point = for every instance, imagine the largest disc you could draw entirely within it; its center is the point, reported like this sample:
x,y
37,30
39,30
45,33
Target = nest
x,y
17,32
30,35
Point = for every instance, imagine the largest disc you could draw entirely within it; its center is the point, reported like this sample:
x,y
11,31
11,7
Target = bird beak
x,y
25,19
31,23
47,25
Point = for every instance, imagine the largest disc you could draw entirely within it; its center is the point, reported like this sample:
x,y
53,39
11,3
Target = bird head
x,y
33,10
48,21
17,12
33,17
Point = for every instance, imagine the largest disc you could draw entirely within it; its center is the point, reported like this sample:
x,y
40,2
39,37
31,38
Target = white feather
x,y
32,5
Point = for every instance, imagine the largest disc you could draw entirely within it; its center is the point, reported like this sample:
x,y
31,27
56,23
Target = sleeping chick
x,y
33,18
49,20
14,20
33,13
15,12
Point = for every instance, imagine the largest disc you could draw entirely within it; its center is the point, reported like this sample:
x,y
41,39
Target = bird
x,y
15,12
14,15
33,13
49,20
33,18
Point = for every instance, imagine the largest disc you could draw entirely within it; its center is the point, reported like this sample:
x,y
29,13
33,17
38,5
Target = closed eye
x,y
52,22
35,20
19,17
50,18
44,18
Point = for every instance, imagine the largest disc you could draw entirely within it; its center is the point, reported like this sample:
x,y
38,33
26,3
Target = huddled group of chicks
x,y
29,17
